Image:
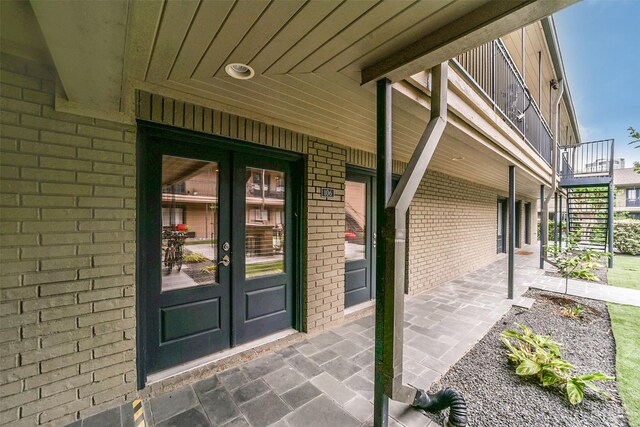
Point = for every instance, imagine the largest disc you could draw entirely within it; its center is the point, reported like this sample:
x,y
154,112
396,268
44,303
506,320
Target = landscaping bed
x,y
496,396
601,274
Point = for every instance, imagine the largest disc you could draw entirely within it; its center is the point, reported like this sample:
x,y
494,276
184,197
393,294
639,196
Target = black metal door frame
x,y
150,134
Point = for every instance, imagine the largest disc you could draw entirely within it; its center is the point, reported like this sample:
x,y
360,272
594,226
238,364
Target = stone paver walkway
x,y
327,380
595,291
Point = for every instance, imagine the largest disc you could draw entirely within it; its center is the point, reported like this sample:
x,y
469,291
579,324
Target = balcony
x,y
490,69
589,163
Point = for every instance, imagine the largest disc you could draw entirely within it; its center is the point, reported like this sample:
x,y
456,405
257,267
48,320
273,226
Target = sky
x,y
600,45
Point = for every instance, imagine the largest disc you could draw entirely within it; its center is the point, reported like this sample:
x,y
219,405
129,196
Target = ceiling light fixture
x,y
456,159
239,71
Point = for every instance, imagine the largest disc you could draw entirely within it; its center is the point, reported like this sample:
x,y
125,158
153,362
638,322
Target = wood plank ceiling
x,y
307,56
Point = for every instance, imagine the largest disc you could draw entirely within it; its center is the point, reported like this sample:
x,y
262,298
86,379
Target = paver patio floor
x,y
327,380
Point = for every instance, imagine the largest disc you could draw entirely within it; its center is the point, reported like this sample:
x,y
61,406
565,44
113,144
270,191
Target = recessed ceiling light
x,y
239,71
457,159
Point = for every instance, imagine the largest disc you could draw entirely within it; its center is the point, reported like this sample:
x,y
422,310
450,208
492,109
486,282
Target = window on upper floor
x,y
633,197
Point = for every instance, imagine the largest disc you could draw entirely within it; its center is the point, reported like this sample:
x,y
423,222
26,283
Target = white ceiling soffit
x,y
15,17
86,40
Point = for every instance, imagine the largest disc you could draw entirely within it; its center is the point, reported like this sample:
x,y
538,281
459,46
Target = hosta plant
x,y
539,356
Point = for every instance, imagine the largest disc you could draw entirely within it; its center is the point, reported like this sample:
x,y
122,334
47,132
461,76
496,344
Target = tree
x,y
635,135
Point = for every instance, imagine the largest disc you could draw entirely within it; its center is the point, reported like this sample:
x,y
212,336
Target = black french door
x,y
216,247
501,245
360,238
527,223
263,269
518,222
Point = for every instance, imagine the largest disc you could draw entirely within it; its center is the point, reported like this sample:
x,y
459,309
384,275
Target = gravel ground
x,y
496,396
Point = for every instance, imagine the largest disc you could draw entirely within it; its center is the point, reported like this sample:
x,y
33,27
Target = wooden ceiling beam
x,y
489,21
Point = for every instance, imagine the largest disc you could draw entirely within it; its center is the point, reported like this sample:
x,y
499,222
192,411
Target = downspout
x,y
394,232
554,163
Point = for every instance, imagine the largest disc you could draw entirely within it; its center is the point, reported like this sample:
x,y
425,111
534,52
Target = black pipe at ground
x,y
446,398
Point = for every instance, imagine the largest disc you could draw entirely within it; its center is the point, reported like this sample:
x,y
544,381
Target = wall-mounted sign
x,y
327,192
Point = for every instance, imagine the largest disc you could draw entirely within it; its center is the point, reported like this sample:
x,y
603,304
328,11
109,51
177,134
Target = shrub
x,y
210,269
573,261
194,258
539,356
626,236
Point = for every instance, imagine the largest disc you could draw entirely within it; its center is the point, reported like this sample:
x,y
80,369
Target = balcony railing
x,y
633,203
492,70
255,190
589,159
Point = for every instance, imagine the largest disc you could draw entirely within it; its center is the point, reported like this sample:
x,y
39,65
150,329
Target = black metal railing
x,y
491,68
192,187
633,203
256,191
587,159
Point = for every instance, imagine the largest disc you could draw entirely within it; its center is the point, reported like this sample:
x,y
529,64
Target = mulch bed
x,y
496,396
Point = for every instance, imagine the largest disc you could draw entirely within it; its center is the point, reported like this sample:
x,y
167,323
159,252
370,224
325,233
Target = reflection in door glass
x,y
189,222
264,222
355,196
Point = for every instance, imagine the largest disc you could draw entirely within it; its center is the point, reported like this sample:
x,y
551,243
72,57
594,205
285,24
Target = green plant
x,y
562,228
539,356
620,215
209,269
194,258
573,261
573,312
625,325
626,236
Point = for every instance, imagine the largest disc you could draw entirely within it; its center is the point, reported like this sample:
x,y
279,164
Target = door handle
x,y
374,239
225,261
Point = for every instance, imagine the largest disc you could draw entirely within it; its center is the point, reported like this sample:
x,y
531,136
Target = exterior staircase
x,y
588,214
587,177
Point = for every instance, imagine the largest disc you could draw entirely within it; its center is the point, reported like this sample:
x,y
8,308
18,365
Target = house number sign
x,y
328,193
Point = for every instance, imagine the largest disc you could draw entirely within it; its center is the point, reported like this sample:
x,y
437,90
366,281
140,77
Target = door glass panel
x,y
500,219
264,222
355,196
189,223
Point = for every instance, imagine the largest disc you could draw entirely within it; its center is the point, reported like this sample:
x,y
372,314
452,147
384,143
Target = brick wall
x,y
452,230
325,236
68,254
68,244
